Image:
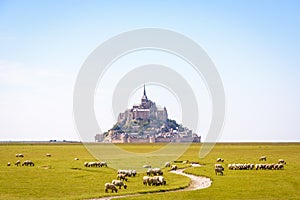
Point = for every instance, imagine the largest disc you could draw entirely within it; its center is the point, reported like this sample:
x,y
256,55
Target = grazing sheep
x,y
92,164
8,164
161,180
220,160
263,158
76,158
122,177
48,154
147,166
110,186
119,184
18,163
281,161
146,180
101,164
167,164
19,155
219,169
185,162
127,172
133,172
28,162
280,166
174,167
154,171
153,181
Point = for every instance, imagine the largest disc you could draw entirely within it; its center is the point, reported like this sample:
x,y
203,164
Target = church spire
x,y
144,95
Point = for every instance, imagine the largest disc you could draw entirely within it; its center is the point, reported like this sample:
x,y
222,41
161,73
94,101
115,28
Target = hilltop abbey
x,y
146,110
146,122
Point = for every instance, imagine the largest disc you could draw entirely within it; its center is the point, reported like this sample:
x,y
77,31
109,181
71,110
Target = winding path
x,y
197,183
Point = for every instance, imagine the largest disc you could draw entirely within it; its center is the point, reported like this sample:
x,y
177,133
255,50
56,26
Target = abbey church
x,y
146,110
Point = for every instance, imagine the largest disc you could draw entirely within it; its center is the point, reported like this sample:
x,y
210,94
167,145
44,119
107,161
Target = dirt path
x,y
197,183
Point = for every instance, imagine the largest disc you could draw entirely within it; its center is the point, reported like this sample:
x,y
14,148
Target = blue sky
x,y
255,46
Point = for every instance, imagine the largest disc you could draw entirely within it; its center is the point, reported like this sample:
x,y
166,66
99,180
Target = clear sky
x,y
255,46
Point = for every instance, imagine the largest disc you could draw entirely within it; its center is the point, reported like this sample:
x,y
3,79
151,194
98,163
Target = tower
x,y
144,97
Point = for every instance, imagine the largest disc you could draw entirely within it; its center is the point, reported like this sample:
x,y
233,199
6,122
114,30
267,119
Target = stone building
x,y
146,110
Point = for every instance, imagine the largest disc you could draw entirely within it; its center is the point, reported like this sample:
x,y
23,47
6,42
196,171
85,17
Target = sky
x,y
254,45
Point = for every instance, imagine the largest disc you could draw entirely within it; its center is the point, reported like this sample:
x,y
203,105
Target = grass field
x,y
61,177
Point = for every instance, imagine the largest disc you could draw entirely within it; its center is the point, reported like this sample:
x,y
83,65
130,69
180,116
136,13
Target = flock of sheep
x,y
250,166
153,177
95,164
24,163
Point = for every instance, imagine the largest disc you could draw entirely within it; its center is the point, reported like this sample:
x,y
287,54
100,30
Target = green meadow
x,y
62,177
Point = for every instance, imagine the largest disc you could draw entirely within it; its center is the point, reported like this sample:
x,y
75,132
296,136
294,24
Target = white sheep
x,y
76,158
147,166
220,160
281,161
154,171
119,184
263,158
153,181
122,177
19,155
160,179
110,186
28,162
167,164
146,180
219,169
48,154
18,163
8,164
174,167
101,164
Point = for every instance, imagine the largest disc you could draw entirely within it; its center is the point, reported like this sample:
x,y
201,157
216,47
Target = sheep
x,y
8,164
19,155
245,166
231,166
48,154
92,164
146,180
28,162
133,172
160,179
119,184
147,166
127,172
110,186
174,167
76,158
18,163
280,166
185,162
153,181
281,161
263,158
154,171
122,177
220,160
219,169
103,164
167,164
218,166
